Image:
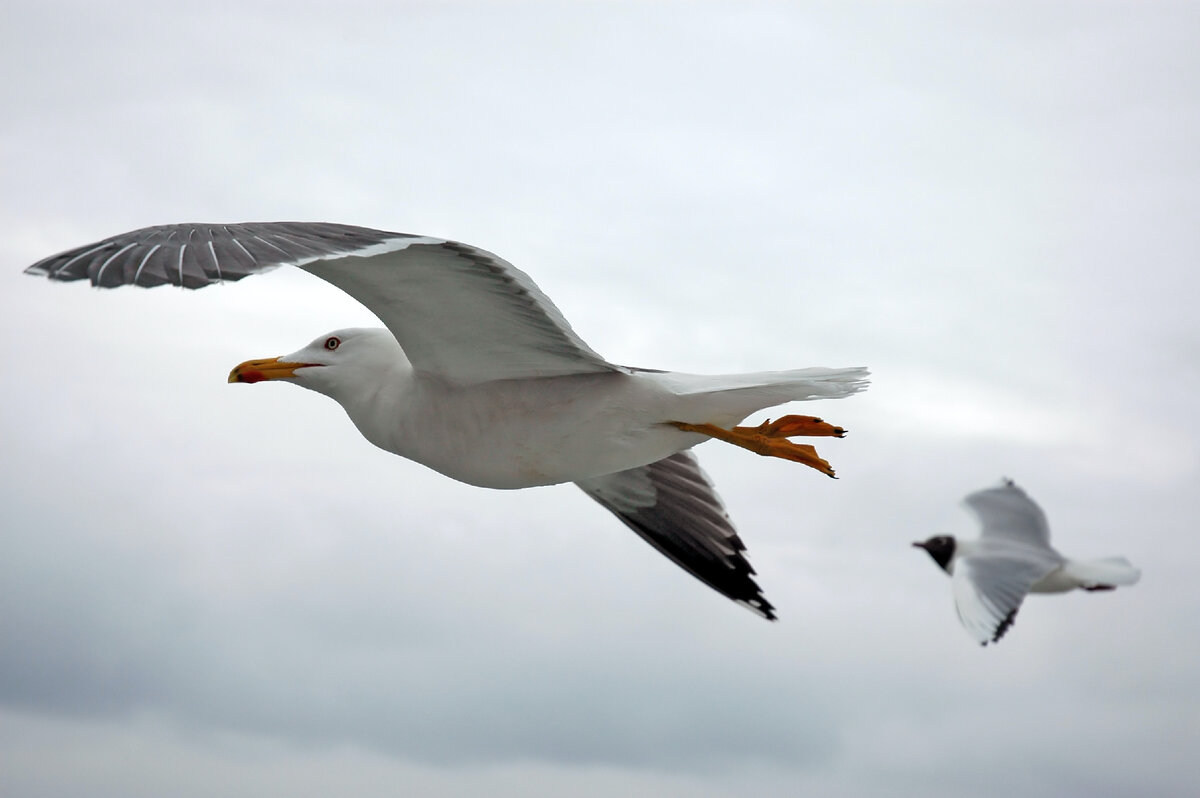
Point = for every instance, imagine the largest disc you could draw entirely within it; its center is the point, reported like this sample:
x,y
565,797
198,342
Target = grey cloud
x,y
992,207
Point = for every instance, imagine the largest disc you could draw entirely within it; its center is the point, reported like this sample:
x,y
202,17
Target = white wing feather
x,y
988,591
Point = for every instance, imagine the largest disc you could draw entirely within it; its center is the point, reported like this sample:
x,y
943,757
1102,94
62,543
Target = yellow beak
x,y
271,368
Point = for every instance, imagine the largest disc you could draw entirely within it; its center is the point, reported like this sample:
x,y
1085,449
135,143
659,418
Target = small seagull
x,y
1012,558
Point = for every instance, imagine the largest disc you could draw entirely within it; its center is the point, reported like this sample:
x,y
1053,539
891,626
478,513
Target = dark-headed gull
x,y
1011,558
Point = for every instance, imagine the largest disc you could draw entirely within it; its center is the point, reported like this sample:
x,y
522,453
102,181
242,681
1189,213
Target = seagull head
x,y
330,364
941,549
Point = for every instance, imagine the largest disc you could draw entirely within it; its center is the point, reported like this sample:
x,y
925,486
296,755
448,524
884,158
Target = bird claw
x,y
770,439
796,426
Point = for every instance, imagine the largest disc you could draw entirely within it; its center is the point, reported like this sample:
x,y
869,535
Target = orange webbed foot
x,y
770,439
795,427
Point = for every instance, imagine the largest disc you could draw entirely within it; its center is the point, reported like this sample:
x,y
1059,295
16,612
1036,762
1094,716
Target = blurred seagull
x,y
1011,558
479,376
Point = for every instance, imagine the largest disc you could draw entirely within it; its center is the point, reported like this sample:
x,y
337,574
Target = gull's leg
x,y
770,438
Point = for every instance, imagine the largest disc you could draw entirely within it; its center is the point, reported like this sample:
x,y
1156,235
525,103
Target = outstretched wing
x,y
673,506
988,591
458,311
1007,514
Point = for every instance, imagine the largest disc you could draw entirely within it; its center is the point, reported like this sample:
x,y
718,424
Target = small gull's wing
x,y
458,312
673,506
989,589
1007,514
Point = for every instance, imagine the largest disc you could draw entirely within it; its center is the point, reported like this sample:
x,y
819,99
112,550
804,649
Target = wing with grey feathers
x,y
673,506
1006,513
458,311
988,591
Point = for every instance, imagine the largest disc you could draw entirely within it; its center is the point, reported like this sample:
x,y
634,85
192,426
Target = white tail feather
x,y
728,398
1111,571
795,384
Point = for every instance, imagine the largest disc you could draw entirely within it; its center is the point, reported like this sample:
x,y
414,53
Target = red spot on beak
x,y
271,368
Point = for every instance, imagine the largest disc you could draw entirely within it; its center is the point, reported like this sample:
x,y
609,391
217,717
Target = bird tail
x,y
781,386
815,383
1103,574
726,399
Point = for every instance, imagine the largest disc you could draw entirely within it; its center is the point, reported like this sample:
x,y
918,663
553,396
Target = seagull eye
x,y
332,342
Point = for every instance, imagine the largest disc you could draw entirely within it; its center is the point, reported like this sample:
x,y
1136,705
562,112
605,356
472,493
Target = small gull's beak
x,y
271,368
920,544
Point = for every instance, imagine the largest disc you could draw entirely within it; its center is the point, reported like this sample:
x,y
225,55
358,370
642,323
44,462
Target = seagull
x,y
1013,557
479,377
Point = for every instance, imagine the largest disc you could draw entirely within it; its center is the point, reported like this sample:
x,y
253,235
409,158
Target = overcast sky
x,y
212,589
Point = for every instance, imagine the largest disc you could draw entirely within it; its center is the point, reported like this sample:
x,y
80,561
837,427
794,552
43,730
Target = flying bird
x,y
1012,557
479,376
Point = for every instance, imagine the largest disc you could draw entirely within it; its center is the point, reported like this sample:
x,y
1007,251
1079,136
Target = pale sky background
x,y
211,589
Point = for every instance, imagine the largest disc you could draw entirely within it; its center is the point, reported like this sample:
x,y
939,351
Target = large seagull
x,y
479,376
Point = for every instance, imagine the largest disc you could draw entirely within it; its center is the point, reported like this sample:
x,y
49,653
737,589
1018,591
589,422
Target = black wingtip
x,y
1004,626
760,607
